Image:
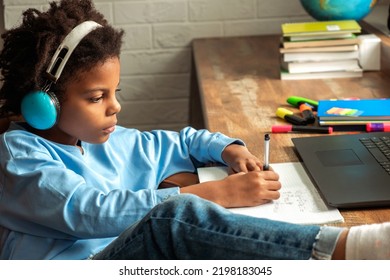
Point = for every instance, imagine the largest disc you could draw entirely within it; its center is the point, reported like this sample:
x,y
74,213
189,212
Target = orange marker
x,y
307,113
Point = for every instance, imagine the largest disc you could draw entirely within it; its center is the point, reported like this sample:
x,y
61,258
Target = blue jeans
x,y
188,227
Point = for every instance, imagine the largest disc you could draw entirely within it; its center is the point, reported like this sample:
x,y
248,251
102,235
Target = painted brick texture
x,y
156,55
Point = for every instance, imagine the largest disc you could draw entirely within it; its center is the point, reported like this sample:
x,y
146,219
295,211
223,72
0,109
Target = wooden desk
x,y
236,90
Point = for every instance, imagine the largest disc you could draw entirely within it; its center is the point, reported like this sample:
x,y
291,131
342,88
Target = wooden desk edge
x,y
352,217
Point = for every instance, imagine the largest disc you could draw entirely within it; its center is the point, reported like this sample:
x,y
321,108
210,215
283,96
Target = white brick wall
x,y
156,53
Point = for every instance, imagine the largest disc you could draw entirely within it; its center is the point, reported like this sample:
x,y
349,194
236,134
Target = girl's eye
x,y
95,99
118,89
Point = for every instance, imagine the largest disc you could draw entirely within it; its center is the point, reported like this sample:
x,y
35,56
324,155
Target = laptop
x,y
349,170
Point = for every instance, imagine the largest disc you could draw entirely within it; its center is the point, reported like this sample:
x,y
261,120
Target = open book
x,y
299,202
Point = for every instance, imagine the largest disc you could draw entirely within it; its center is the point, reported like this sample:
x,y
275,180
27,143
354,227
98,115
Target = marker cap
x,y
281,128
282,112
297,100
376,127
290,117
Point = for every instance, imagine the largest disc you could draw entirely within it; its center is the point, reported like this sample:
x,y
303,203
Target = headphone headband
x,y
67,46
41,108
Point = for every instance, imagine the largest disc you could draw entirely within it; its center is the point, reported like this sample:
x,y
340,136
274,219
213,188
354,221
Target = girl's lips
x,y
109,130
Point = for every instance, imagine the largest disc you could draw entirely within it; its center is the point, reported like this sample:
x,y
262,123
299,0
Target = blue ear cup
x,y
40,109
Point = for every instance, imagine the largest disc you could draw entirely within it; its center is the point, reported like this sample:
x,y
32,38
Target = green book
x,y
320,28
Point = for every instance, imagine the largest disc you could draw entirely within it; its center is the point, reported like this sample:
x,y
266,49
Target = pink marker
x,y
300,128
375,127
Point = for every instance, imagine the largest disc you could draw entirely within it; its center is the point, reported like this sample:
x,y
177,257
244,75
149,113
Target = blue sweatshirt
x,y
57,203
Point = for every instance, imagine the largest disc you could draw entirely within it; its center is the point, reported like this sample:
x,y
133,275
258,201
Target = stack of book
x,y
353,112
321,49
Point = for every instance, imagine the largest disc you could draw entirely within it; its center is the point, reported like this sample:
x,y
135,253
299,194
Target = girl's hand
x,y
239,159
239,190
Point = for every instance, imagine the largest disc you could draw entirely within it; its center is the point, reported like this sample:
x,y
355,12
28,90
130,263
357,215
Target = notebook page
x,y
299,200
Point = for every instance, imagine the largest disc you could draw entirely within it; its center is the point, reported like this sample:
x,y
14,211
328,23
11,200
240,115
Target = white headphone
x,y
41,108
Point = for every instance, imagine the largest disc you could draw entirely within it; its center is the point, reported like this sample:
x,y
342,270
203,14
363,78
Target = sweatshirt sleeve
x,y
205,145
40,195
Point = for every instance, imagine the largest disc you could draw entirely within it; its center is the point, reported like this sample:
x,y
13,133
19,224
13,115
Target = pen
x,y
266,151
289,128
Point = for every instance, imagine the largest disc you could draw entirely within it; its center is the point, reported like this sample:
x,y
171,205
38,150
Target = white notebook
x,y
299,202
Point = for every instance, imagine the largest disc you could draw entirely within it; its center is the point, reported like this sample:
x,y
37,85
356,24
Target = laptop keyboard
x,y
379,147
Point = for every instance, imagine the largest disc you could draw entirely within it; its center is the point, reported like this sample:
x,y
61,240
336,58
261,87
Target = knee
x,y
184,204
182,200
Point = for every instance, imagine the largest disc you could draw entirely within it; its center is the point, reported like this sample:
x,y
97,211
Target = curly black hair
x,y
29,48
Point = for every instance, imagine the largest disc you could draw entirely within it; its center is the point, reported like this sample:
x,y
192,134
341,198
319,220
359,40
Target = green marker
x,y
297,100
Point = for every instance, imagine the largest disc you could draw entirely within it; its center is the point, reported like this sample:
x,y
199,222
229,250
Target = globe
x,y
338,9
